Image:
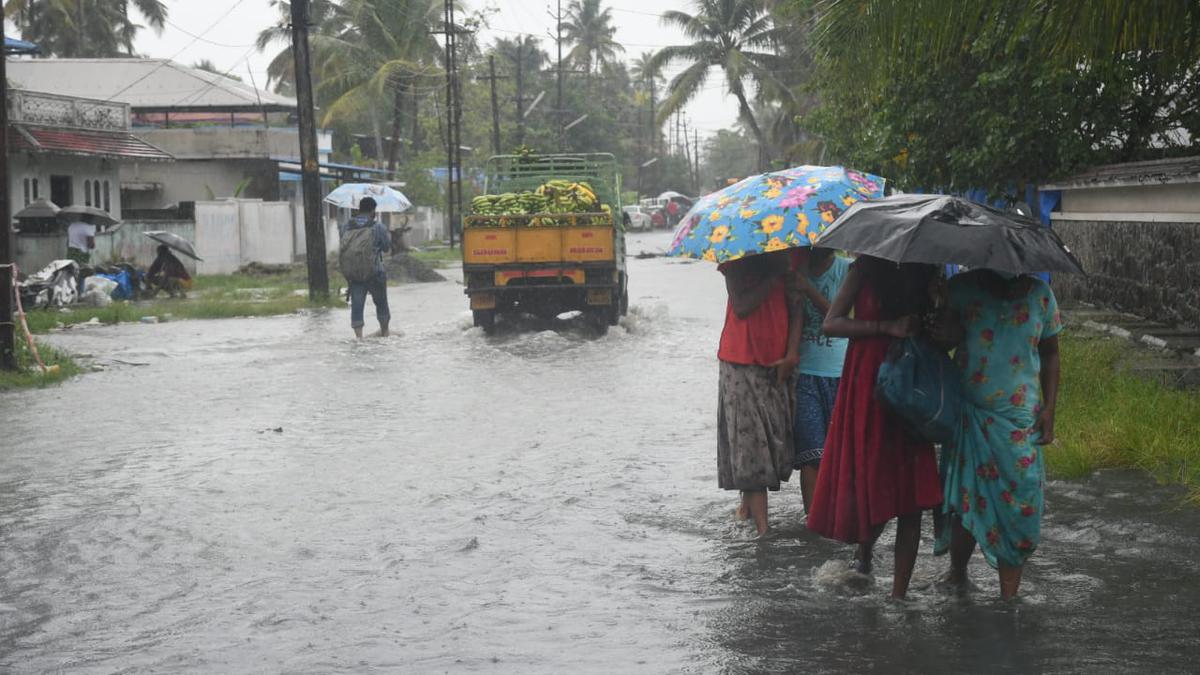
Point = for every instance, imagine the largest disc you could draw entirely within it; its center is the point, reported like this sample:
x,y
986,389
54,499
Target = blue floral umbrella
x,y
770,212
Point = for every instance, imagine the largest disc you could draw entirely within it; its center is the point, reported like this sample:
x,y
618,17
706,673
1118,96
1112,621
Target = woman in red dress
x,y
873,470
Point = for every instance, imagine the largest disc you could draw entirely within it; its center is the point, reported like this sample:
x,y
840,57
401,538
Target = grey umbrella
x,y
41,208
174,241
938,229
98,216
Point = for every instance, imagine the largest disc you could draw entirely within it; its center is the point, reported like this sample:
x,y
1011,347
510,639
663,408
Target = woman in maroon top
x,y
759,350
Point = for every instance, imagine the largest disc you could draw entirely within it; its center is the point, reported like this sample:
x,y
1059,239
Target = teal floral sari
x,y
992,474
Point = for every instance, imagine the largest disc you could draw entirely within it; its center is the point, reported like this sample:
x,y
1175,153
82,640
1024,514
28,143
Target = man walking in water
x,y
363,242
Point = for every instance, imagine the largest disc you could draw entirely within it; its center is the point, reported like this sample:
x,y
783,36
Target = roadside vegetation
x,y
213,297
59,365
1108,418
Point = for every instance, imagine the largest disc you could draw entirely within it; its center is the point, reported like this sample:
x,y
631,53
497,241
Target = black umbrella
x,y
174,241
937,229
97,216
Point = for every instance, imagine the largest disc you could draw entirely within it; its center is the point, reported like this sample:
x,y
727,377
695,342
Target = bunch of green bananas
x,y
553,197
485,205
563,196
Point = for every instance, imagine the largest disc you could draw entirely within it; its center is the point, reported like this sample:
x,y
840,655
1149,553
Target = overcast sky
x,y
227,30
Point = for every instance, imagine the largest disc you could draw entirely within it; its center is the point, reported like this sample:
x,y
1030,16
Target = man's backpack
x,y
356,254
921,385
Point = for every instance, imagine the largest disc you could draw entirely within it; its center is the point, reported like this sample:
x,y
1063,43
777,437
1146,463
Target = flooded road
x,y
269,495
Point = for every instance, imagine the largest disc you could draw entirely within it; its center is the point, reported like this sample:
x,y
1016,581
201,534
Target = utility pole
x,y
687,153
495,106
696,157
453,125
653,124
558,111
8,273
314,227
520,92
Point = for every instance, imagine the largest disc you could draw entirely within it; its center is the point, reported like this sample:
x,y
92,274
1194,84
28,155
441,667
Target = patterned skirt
x,y
754,428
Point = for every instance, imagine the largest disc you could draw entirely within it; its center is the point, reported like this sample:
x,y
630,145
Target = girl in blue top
x,y
820,369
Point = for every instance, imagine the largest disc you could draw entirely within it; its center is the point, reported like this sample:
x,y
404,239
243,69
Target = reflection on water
x,y
271,495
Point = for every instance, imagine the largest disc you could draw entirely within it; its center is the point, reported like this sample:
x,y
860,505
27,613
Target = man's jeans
x,y
377,287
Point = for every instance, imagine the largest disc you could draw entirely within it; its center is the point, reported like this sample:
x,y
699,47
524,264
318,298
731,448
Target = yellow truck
x,y
529,256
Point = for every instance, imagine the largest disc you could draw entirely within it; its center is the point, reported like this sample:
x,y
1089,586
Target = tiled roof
x,y
111,144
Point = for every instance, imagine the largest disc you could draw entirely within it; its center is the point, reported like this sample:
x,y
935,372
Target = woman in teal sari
x,y
992,474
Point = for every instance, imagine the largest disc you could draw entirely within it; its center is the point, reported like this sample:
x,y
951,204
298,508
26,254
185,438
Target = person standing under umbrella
x,y
873,470
81,239
374,280
758,353
993,473
820,275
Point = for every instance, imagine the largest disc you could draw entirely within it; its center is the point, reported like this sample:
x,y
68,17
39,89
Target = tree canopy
x,y
84,28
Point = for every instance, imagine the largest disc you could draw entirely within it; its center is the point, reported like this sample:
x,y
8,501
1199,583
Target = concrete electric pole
x,y
314,225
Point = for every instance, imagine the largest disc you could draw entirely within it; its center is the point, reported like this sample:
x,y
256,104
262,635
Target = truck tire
x,y
485,319
620,303
598,320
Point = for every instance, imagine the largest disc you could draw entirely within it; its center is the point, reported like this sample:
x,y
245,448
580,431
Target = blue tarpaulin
x,y
14,46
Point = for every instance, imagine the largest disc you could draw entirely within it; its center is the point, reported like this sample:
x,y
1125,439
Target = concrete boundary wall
x,y
218,237
1150,269
232,233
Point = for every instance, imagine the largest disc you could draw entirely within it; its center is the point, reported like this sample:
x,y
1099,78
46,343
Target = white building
x,y
230,139
72,150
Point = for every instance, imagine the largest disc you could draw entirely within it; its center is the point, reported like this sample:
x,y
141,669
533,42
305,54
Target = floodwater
x,y
268,495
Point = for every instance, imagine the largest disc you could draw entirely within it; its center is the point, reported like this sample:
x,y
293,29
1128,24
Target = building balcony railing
x,y
52,110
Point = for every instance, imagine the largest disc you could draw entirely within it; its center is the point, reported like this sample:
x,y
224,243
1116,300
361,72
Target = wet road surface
x,y
269,495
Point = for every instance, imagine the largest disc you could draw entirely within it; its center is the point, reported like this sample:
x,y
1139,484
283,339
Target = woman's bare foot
x,y
742,512
862,562
954,582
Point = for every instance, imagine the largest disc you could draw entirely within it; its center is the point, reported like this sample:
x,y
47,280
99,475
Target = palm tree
x,y
526,59
642,72
524,49
281,70
84,28
589,28
383,49
364,51
738,37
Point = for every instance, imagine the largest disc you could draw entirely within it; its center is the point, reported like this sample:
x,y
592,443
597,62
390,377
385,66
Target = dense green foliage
x,y
943,94
83,28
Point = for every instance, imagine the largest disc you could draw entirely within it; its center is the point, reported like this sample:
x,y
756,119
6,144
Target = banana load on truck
x,y
554,197
542,239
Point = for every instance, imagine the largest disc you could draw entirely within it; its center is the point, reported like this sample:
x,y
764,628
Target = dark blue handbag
x,y
921,385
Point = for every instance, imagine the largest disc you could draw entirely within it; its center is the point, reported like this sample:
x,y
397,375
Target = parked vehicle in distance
x,y
637,218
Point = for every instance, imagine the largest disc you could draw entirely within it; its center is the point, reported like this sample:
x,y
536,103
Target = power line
x,y
183,30
156,68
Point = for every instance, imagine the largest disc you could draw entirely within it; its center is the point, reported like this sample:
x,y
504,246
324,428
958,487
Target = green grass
x,y
213,297
28,374
1108,418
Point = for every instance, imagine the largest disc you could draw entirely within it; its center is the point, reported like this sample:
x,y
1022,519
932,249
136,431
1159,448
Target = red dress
x,y
872,470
